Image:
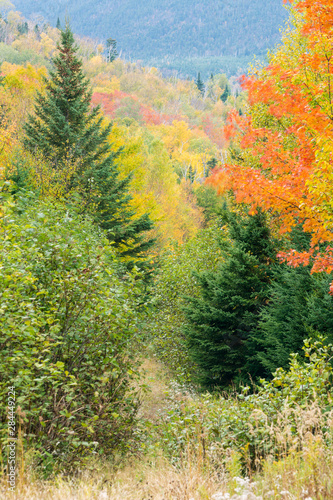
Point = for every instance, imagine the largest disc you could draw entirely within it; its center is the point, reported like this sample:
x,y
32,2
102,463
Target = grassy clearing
x,y
299,477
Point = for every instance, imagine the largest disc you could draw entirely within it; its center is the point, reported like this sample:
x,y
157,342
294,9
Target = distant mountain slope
x,y
155,30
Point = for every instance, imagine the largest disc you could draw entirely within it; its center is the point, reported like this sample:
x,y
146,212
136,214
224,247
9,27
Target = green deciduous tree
x,y
67,332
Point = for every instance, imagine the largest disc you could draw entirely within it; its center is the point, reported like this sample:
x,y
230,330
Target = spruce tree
x,y
284,322
299,306
211,164
223,321
37,32
23,28
225,94
209,201
200,84
63,128
65,131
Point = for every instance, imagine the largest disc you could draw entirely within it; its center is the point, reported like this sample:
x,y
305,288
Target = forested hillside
x,y
170,130
187,36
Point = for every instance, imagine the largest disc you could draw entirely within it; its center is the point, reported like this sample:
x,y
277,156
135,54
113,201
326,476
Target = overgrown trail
x,y
157,380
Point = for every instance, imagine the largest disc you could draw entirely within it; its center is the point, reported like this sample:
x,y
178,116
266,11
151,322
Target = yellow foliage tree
x,y
189,149
20,85
154,186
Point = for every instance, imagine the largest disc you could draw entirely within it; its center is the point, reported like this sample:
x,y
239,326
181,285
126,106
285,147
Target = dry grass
x,y
306,474
159,481
156,379
302,475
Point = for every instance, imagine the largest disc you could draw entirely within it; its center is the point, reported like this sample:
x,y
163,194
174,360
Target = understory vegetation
x,y
166,294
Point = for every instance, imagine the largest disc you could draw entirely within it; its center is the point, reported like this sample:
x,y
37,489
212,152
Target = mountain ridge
x,y
156,30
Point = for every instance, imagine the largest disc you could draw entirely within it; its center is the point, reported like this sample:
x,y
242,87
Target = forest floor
x,y
151,476
148,478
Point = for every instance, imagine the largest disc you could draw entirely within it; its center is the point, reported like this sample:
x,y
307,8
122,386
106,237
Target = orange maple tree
x,y
286,140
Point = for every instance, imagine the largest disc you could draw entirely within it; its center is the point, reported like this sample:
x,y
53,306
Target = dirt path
x,y
155,376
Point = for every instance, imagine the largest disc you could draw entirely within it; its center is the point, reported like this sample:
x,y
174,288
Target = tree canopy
x,y
286,137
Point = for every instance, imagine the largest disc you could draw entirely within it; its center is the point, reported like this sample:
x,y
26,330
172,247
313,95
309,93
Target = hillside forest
x,y
178,37
166,265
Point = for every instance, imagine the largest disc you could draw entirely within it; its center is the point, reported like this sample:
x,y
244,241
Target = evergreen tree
x,y
223,322
191,175
63,129
211,203
19,177
66,132
299,306
200,84
58,24
225,94
211,164
23,28
37,32
284,321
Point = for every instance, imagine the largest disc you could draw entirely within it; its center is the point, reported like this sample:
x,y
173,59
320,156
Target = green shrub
x,y
174,280
67,335
275,419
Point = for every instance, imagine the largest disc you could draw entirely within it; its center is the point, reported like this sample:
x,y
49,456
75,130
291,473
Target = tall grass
x,y
303,472
276,443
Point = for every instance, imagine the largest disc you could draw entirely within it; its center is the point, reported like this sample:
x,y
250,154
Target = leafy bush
x,y
175,280
277,418
67,335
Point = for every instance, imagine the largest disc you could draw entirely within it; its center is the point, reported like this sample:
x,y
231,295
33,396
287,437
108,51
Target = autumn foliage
x,y
117,100
285,163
